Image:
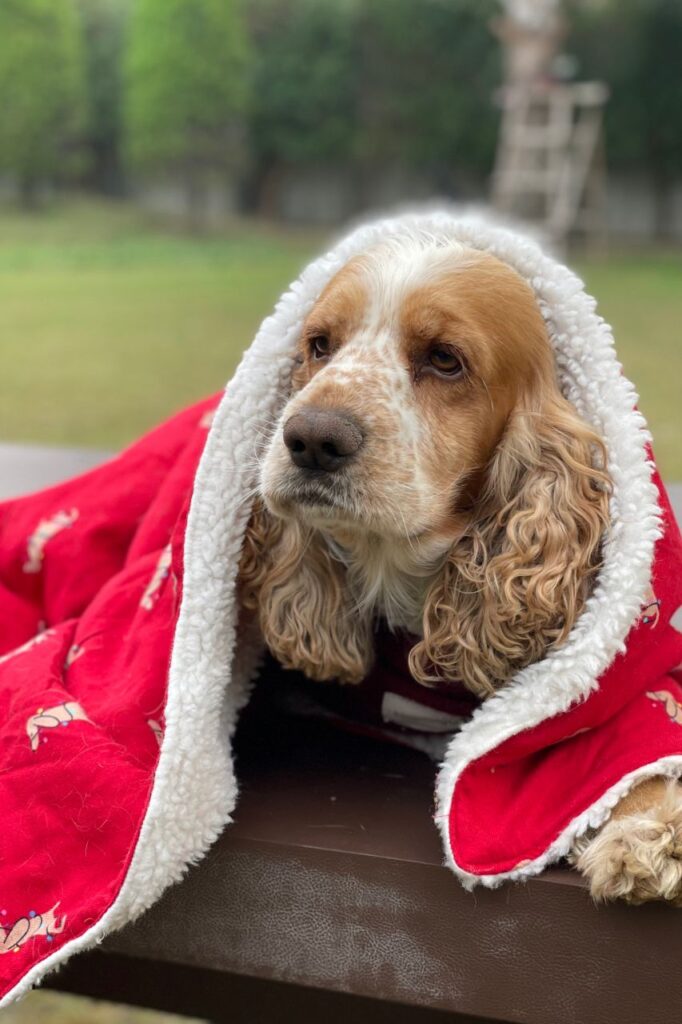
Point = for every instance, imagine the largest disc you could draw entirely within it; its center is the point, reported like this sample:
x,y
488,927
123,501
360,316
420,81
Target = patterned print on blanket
x,y
51,718
673,708
651,610
45,530
39,638
157,729
161,573
14,936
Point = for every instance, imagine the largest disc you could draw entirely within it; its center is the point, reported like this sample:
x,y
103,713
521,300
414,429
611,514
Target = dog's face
x,y
408,368
427,470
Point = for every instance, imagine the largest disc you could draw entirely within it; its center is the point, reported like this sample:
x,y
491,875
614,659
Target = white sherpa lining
x,y
194,790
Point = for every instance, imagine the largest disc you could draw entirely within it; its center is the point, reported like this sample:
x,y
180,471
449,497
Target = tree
x,y
305,94
371,84
186,85
635,46
104,26
429,70
42,90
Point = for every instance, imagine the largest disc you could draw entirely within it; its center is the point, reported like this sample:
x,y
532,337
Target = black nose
x,y
321,439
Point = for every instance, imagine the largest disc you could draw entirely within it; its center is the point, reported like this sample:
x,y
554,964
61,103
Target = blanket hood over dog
x,y
121,672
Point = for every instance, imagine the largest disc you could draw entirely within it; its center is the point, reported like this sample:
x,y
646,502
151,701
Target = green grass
x,y
108,322
641,297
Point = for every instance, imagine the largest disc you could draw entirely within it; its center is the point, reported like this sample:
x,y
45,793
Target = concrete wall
x,y
168,199
333,194
632,209
329,195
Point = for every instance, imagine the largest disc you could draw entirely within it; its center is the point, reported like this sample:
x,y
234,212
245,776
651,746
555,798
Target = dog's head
x,y
426,468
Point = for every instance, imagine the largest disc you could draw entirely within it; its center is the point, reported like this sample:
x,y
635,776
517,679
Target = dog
x,y
427,471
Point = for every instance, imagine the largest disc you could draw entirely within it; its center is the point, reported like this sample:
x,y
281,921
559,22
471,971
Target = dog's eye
x,y
320,346
445,361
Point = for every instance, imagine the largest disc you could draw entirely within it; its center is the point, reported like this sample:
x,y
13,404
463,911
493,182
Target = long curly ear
x,y
290,578
517,579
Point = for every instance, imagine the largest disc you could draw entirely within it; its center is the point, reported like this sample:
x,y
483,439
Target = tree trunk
x,y
29,195
269,191
663,200
195,199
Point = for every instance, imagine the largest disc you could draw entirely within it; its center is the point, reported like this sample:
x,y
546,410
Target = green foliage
x,y
636,47
363,83
429,71
305,93
185,73
104,26
375,80
41,86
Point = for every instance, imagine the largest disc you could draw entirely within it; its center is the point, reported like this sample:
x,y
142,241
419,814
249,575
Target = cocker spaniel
x,y
427,470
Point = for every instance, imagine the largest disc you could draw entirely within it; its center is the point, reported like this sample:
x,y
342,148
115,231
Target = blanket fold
x,y
122,670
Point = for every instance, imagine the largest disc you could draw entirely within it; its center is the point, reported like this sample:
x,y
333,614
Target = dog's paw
x,y
637,856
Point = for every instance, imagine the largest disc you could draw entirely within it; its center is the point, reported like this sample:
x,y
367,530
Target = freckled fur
x,y
428,527
474,517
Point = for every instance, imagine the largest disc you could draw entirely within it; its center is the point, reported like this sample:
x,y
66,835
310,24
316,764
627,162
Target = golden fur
x,y
290,577
637,855
517,578
515,549
473,515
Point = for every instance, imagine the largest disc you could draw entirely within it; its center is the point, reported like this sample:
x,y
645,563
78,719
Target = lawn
x,y
108,322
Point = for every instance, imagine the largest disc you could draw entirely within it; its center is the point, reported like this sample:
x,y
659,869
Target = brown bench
x,y
327,899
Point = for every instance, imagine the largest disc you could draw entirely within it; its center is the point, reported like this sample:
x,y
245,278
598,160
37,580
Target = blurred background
x,y
168,166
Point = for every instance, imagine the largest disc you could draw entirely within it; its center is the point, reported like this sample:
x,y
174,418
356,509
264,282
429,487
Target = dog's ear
x,y
289,577
517,579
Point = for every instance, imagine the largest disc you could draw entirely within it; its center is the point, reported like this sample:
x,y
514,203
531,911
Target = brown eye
x,y
320,346
445,361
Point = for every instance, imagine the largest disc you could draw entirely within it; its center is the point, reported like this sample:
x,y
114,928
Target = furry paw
x,y
637,856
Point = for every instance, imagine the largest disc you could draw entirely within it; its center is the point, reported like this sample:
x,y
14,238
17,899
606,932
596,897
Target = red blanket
x,y
90,584
91,578
121,672
519,804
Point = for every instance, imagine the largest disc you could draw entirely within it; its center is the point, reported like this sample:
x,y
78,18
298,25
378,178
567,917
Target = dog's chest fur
x,y
389,577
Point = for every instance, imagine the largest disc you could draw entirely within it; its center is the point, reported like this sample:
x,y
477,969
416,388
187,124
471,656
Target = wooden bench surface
x,y
327,895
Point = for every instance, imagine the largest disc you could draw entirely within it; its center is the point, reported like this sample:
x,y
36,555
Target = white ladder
x,y
550,166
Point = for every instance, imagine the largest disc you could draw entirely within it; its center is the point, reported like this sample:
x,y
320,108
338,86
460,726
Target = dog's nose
x,y
322,439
